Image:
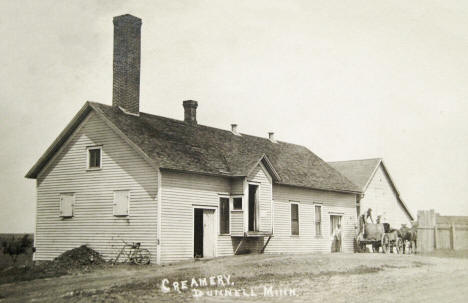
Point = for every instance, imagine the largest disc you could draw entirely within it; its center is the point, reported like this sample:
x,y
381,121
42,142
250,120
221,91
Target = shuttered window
x,y
294,219
318,220
67,202
121,201
224,215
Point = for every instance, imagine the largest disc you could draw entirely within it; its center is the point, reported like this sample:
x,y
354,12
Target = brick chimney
x,y
190,112
126,69
234,129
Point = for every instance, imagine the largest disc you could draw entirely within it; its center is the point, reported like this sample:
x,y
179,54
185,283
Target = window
x,y
94,157
237,203
224,216
318,220
121,201
66,205
294,219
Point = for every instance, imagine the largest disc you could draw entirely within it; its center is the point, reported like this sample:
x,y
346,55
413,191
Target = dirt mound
x,y
78,257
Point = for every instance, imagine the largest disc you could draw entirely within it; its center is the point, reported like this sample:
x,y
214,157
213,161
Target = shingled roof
x,y
174,145
361,172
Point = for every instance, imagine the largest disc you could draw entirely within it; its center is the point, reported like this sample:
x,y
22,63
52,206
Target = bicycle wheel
x,y
143,256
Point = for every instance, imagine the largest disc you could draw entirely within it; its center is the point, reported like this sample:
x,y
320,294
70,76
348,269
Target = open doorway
x,y
253,205
336,233
204,233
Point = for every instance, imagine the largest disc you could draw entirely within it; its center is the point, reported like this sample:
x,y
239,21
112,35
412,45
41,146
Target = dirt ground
x,y
297,278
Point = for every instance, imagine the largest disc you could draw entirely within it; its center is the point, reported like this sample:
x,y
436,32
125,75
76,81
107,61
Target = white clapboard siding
x,y
237,186
93,222
381,197
237,223
332,203
180,193
260,175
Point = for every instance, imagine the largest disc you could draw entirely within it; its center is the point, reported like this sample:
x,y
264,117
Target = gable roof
x,y
174,145
361,172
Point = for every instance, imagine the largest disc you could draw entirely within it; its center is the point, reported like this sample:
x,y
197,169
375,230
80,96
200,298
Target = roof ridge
x,y
206,126
354,160
166,143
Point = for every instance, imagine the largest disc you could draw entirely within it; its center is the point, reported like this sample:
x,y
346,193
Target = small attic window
x,y
94,157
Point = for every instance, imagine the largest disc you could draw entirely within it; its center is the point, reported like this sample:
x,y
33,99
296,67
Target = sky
x,y
347,79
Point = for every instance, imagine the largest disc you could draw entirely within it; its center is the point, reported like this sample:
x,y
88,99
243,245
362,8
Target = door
x,y
209,233
198,233
336,234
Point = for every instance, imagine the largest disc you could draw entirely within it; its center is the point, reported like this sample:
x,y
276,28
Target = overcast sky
x,y
348,79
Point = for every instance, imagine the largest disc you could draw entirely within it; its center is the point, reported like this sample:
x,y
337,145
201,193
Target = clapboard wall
x,y
260,177
180,193
381,197
332,204
93,222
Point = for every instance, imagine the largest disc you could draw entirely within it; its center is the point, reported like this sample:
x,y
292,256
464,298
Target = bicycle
x,y
134,253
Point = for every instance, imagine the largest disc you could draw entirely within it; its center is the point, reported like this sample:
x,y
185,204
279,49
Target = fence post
x,y
435,236
426,230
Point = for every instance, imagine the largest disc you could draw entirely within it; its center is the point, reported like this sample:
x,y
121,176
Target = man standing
x,y
337,238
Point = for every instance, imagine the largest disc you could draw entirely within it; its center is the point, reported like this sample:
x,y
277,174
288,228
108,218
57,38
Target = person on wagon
x,y
369,218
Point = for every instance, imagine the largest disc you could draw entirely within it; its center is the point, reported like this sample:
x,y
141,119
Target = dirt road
x,y
301,278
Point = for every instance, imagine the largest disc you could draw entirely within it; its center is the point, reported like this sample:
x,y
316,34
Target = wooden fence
x,y
435,232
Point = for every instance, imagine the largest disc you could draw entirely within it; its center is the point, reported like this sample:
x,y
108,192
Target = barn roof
x,y
361,172
174,145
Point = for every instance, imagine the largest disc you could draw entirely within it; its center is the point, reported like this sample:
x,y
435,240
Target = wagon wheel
x,y
385,244
142,256
399,246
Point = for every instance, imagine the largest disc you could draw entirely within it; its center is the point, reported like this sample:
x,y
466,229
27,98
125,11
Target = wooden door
x,y
209,233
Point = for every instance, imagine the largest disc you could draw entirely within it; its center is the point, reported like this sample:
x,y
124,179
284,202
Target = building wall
x,y
180,193
93,222
381,197
307,241
261,177
237,186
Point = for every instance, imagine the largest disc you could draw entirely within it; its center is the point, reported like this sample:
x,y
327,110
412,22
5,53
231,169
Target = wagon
x,y
379,235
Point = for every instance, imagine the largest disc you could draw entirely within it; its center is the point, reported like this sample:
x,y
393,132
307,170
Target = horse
x,y
410,236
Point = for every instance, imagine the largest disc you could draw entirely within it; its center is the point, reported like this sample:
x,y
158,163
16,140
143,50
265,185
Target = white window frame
x,y
232,202
128,203
88,149
72,204
321,220
298,218
220,214
257,205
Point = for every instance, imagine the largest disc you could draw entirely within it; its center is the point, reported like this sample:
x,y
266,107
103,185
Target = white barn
x,y
379,191
182,189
